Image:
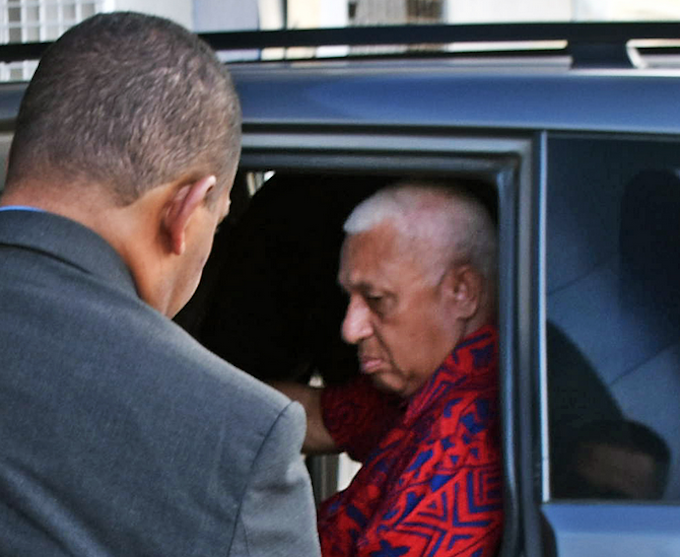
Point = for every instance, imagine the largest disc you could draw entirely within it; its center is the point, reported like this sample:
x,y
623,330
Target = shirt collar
x,y
21,208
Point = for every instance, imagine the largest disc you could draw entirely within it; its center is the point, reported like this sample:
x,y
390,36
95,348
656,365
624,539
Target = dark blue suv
x,y
577,150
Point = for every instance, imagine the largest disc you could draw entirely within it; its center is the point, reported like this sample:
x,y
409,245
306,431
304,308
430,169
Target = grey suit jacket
x,y
119,434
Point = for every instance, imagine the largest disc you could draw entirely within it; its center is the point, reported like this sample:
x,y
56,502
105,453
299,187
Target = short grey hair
x,y
455,225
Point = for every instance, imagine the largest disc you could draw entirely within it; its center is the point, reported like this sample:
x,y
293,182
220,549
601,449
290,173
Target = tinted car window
x,y
613,318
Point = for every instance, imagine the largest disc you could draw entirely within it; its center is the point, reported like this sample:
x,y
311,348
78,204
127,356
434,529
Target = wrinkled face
x,y
403,325
199,240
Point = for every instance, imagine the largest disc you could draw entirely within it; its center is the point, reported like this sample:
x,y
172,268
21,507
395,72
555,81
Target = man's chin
x,y
387,384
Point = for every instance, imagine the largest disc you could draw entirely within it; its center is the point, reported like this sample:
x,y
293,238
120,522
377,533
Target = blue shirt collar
x,y
21,208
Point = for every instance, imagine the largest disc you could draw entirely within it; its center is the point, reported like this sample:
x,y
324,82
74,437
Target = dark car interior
x,y
613,319
269,302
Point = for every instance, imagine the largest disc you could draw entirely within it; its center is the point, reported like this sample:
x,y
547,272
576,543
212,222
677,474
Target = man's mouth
x,y
370,364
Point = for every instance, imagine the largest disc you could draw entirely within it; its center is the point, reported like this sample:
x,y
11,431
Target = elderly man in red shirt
x,y
419,266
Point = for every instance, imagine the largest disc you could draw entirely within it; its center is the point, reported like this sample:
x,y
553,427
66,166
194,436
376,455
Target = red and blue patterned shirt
x,y
430,481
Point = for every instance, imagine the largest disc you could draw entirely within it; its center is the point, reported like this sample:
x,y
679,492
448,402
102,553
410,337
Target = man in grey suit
x,y
119,434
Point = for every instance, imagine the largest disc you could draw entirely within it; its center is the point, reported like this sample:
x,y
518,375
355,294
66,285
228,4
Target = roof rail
x,y
592,44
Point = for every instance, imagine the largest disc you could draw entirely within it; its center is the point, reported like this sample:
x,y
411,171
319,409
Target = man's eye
x,y
376,303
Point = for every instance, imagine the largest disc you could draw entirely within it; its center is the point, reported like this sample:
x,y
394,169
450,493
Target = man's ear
x,y
463,284
181,207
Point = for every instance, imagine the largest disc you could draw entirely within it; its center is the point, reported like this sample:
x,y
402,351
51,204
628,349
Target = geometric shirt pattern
x,y
430,481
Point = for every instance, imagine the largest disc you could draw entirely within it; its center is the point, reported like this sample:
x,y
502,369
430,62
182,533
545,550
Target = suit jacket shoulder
x,y
127,437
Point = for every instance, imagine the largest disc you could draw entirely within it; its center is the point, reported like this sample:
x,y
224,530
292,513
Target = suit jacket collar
x,y
66,240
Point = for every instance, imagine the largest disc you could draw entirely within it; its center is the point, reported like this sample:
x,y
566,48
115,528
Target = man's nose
x,y
357,324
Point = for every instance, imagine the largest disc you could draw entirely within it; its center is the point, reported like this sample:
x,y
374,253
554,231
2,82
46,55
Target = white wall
x,y
626,9
488,11
333,13
180,11
225,15
560,10
213,15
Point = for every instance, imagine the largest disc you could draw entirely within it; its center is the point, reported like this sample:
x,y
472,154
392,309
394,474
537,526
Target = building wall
x,y
626,10
180,11
487,11
46,20
224,15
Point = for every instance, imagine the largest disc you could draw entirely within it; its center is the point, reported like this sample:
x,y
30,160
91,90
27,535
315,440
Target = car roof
x,y
437,94
589,85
